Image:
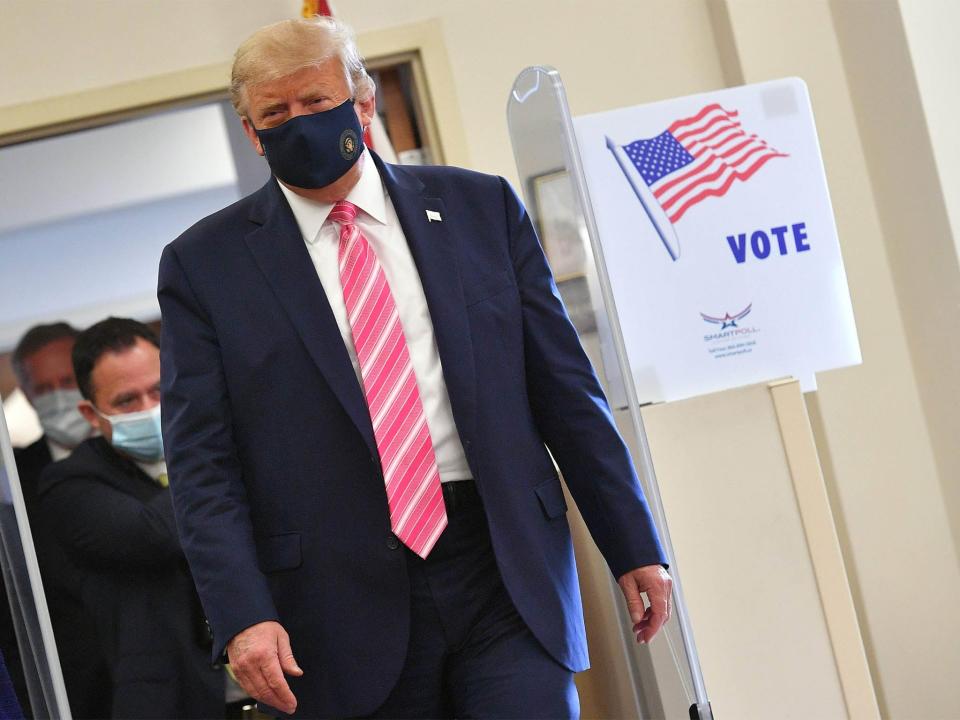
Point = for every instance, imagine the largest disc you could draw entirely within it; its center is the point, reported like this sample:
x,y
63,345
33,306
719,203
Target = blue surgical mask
x,y
137,434
312,151
60,419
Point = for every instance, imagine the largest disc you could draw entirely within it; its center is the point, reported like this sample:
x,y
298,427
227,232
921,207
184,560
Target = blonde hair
x,y
285,47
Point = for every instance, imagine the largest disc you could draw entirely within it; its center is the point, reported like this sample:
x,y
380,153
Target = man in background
x,y
109,506
44,371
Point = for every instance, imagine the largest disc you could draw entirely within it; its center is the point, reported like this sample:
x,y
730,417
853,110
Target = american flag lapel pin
x,y
433,216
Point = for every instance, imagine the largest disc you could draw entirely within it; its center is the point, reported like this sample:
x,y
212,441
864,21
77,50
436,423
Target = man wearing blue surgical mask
x,y
110,509
125,405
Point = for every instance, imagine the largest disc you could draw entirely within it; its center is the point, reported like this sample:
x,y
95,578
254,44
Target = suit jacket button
x,y
392,542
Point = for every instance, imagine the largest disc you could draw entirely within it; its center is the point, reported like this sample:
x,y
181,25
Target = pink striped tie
x,y
417,512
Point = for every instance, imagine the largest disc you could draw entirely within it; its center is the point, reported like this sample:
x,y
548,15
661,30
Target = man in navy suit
x,y
363,366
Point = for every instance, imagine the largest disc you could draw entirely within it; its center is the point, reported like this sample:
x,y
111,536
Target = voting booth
x,y
693,243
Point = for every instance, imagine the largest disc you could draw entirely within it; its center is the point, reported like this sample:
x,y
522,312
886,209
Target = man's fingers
x,y
657,618
654,582
276,691
631,593
263,694
259,656
263,686
660,596
242,679
287,662
644,621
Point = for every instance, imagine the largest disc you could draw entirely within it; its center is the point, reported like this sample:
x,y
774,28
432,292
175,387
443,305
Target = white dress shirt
x,y
153,469
57,451
378,222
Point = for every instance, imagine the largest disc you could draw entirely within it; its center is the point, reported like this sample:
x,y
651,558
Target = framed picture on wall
x,y
559,225
564,243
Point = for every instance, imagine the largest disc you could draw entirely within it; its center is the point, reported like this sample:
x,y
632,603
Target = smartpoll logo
x,y
695,158
733,338
728,320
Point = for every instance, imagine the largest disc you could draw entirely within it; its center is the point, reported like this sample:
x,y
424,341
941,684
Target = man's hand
x,y
657,584
259,656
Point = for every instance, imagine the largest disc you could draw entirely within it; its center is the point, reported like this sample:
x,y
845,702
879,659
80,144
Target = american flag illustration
x,y
698,157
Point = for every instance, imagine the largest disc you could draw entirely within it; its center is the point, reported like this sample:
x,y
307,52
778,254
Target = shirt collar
x,y
57,451
153,469
368,194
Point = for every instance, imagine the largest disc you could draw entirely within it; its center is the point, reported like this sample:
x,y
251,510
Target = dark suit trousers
x,y
470,654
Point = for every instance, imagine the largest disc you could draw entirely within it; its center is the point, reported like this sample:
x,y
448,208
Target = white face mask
x,y
60,419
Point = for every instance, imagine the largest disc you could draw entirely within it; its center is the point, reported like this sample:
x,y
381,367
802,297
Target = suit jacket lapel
x,y
278,247
435,254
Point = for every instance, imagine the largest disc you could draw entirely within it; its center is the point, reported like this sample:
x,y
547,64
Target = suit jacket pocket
x,y
550,494
489,286
280,552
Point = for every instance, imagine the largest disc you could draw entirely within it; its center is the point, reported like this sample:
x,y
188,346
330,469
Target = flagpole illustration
x,y
657,216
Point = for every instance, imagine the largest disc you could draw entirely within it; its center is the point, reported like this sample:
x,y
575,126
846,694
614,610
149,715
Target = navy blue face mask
x,y
312,151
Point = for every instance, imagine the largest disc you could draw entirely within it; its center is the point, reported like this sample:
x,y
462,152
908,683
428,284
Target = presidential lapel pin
x,y
433,215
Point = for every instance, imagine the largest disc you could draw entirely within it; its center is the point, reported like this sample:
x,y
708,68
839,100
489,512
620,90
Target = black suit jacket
x,y
80,660
31,462
117,525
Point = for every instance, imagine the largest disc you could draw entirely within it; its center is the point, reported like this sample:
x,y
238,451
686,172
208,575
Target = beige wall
x,y
896,134
873,429
50,48
929,39
889,475
110,42
591,44
784,634
931,33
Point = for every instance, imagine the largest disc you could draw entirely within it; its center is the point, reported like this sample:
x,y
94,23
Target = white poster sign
x,y
719,238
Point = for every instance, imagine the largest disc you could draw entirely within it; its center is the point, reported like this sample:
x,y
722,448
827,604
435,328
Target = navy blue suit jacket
x,y
277,486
